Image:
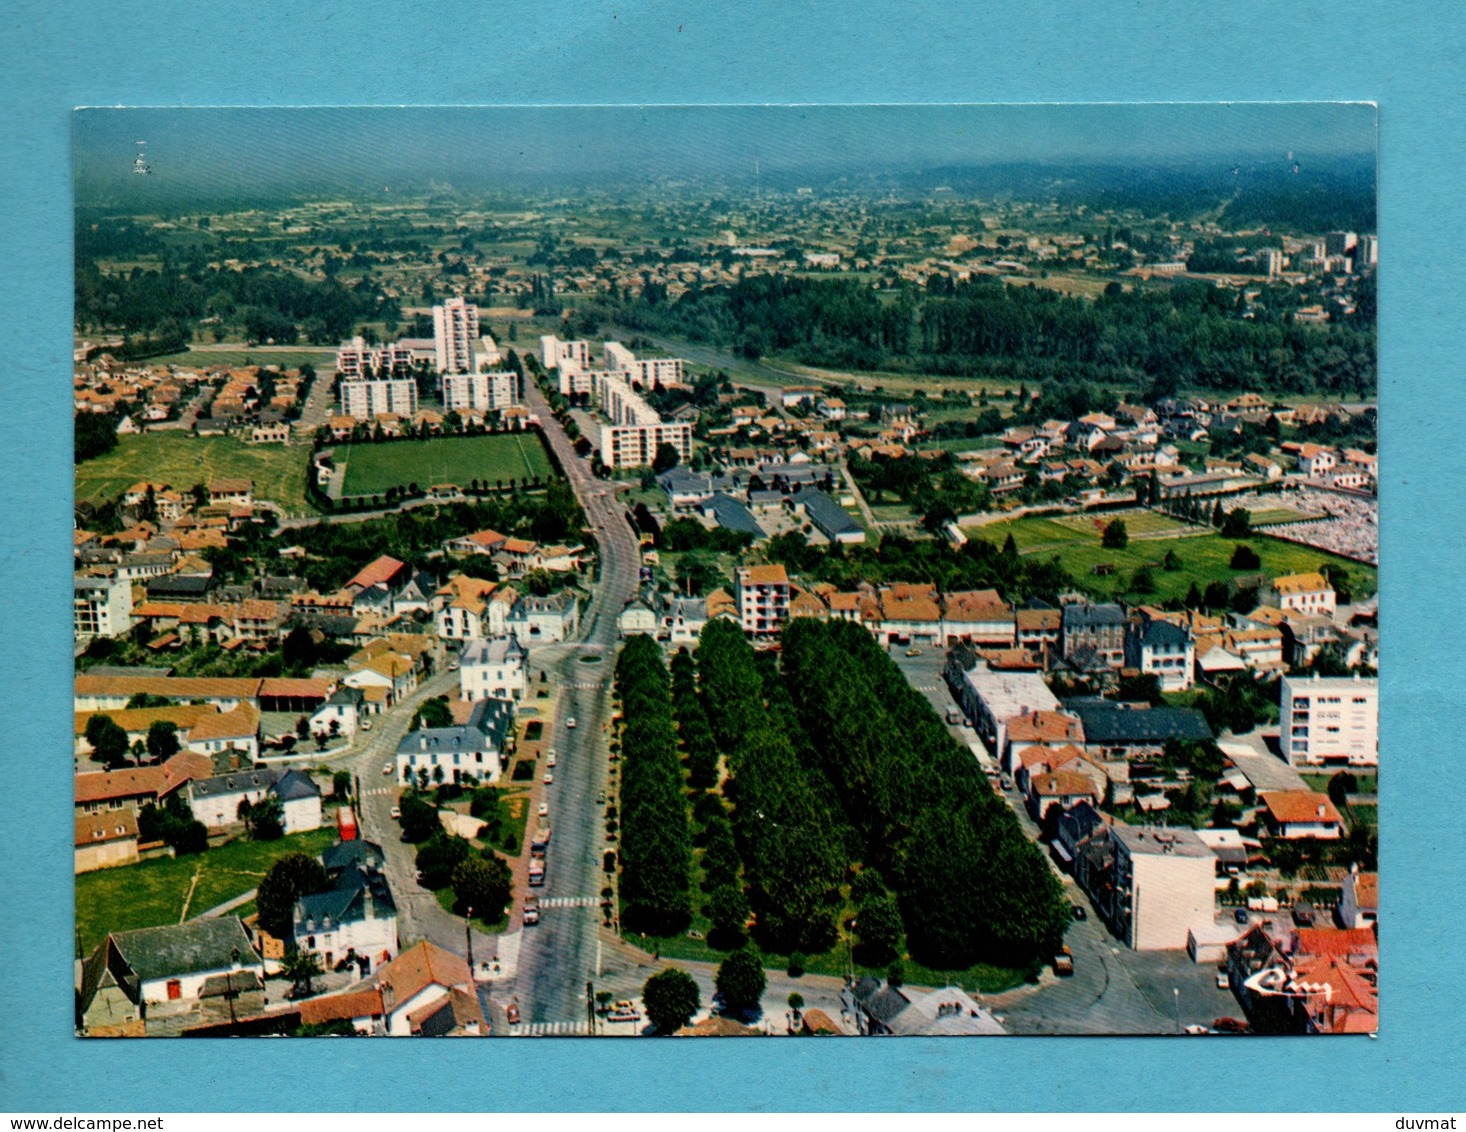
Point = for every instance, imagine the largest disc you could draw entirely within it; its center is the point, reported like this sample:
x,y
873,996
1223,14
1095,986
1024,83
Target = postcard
x,y
726,571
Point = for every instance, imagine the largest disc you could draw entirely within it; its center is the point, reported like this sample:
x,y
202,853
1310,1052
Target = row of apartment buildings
x,y
635,431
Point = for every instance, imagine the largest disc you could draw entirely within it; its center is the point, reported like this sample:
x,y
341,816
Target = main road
x,y
545,967
558,956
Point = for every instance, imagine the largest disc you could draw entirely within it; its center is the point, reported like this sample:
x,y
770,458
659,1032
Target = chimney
x,y
1320,809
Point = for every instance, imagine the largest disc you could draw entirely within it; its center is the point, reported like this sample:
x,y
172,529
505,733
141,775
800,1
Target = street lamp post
x,y
468,937
1176,997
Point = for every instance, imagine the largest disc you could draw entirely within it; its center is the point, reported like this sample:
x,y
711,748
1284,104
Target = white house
x,y
129,972
416,982
343,709
639,617
544,620
1163,650
472,751
685,619
1304,593
237,730
356,916
216,801
496,668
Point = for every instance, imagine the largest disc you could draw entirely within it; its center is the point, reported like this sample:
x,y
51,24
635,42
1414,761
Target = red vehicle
x,y
1229,1026
345,824
511,1013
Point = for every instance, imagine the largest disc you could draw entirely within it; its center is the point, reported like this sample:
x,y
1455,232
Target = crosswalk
x,y
584,687
378,791
570,902
550,1029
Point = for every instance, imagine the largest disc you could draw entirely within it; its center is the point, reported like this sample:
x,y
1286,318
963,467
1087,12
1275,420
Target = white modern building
x,y
484,391
1329,719
355,360
649,373
455,330
636,431
364,400
762,594
497,668
1164,886
558,354
101,606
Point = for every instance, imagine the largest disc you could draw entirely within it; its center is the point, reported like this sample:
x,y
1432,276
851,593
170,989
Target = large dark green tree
x,y
107,740
288,879
671,999
740,981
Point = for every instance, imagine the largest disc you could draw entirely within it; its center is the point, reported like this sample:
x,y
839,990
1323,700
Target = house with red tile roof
x,y
1296,814
420,976
385,571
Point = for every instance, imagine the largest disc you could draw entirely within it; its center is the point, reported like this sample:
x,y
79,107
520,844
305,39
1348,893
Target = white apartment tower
x,y
367,399
483,391
1329,719
564,356
455,330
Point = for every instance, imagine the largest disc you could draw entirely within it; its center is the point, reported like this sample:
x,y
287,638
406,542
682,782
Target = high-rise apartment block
x,y
1329,719
455,330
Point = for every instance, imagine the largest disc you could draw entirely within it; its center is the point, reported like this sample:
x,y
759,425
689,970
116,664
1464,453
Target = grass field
x,y
373,468
1138,524
964,444
208,357
1204,558
182,460
1280,515
152,893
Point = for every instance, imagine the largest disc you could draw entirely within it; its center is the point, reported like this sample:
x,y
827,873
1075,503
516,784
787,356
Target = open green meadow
x,y
182,460
167,889
373,468
218,357
1271,515
1204,558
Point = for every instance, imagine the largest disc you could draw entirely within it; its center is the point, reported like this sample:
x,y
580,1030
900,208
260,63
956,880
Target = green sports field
x,y
373,468
181,460
1204,558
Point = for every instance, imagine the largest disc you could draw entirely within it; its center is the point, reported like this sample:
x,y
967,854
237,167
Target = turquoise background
x,y
1408,56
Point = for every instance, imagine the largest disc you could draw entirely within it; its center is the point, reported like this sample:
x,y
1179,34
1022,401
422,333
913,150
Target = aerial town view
x,y
726,571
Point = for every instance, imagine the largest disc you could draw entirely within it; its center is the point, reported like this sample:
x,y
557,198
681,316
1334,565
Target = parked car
x,y
570,723
365,725
511,1014
544,810
550,757
386,768
1223,982
1080,913
1064,962
1195,1029
1241,916
531,909
913,652
549,777
600,797
395,813
1229,1026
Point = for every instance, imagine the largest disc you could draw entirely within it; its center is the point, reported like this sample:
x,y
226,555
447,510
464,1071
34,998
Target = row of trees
x,y
971,885
786,831
656,846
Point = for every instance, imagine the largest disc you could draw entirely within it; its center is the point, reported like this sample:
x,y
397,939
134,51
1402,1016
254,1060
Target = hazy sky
x,y
250,149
